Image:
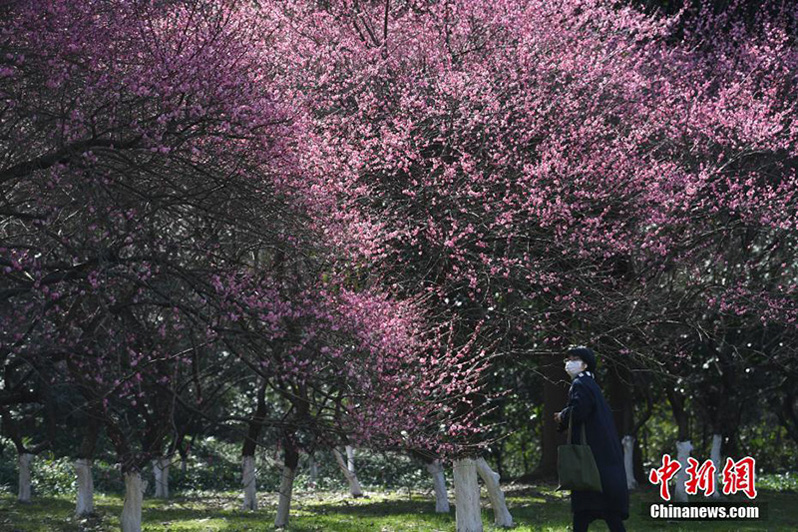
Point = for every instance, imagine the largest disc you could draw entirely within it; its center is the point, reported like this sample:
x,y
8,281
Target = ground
x,y
535,508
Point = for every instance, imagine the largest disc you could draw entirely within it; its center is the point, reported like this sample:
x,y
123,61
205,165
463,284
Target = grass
x,y
534,508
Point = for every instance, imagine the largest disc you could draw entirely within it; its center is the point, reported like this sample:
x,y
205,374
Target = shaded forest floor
x,y
534,508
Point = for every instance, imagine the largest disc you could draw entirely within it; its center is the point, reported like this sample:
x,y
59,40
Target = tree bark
x,y
131,511
84,505
350,458
501,515
248,450
680,415
291,461
85,500
683,449
435,469
250,489
786,408
160,469
351,477
619,391
555,397
468,515
628,443
284,505
23,461
182,452
313,475
683,445
498,454
714,455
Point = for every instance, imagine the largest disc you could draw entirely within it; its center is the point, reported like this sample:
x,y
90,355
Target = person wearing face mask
x,y
587,406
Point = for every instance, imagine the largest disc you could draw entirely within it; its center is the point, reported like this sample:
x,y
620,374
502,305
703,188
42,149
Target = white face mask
x,y
574,367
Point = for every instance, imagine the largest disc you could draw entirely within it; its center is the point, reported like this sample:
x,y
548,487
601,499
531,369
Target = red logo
x,y
662,475
737,476
702,478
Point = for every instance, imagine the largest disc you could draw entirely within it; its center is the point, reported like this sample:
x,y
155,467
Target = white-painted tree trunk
x,y
250,492
160,470
714,455
23,461
314,472
501,515
350,458
351,477
628,442
683,449
284,506
131,510
85,500
468,515
435,469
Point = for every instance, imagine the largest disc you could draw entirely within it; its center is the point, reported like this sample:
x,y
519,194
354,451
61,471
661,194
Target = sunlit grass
x,y
535,508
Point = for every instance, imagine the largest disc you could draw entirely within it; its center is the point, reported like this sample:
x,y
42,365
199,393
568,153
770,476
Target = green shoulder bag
x,y
576,467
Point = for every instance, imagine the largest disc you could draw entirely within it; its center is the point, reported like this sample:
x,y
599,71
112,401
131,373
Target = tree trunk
x,y
786,409
683,449
628,442
619,391
468,515
131,511
248,450
351,477
85,501
248,476
84,505
683,445
160,469
620,387
639,470
313,475
524,459
350,458
287,483
501,515
555,397
183,452
680,414
24,461
435,469
714,455
284,506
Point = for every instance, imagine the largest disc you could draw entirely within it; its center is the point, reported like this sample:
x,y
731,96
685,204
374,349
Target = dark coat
x,y
587,405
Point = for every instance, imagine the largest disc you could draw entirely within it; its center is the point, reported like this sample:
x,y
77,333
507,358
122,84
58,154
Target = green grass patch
x,y
534,508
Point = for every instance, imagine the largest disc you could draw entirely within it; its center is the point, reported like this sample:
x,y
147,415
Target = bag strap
x,y
583,441
570,426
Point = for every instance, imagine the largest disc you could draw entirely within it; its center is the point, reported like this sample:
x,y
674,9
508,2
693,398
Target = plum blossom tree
x,y
448,127
546,166
193,185
131,132
151,184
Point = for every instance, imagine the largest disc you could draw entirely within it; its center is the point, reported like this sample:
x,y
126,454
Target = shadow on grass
x,y
335,514
534,508
43,514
